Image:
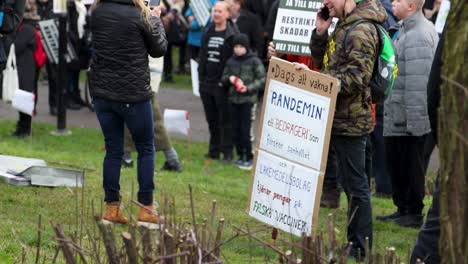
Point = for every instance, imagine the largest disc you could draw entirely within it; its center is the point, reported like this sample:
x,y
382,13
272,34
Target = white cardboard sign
x,y
294,135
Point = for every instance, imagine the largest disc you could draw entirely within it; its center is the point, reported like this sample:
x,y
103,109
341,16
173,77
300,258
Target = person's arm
x,y
318,46
26,39
257,36
361,48
227,73
419,56
259,77
155,37
202,58
318,40
12,17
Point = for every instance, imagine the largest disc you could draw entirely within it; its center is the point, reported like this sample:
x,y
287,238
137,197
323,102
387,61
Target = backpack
x,y
39,54
385,67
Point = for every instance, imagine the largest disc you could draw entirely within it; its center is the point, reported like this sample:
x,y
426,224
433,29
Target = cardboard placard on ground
x,y
295,22
294,136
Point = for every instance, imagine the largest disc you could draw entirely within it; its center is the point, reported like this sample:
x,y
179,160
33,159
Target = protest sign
x,y
291,155
442,16
295,22
50,40
201,11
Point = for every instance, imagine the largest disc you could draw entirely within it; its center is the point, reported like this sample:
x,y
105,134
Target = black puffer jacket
x,y
122,41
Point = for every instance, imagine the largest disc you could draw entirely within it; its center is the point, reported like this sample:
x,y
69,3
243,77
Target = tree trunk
x,y
453,138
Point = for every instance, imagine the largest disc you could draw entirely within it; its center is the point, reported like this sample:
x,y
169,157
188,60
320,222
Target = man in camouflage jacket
x,y
352,63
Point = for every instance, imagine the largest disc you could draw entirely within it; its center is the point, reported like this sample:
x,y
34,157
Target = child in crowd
x,y
244,74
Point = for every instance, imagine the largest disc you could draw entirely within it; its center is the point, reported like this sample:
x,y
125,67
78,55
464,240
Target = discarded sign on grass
x,y
25,172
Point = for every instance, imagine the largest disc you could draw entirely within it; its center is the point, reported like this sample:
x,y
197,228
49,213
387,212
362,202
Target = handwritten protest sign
x,y
295,22
292,150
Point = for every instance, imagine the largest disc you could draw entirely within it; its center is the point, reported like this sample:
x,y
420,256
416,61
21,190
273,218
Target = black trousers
x,y
349,161
383,183
405,165
219,123
168,65
52,80
427,243
241,115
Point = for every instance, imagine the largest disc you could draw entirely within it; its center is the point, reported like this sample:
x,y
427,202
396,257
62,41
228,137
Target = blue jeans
x,y
349,153
138,117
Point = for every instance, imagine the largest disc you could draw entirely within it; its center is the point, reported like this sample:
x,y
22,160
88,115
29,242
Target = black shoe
x,y
175,166
211,156
53,110
227,158
391,217
20,134
410,220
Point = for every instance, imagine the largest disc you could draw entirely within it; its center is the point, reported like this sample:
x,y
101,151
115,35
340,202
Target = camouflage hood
x,y
371,10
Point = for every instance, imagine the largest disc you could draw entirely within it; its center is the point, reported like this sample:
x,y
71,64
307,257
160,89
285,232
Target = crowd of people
x,y
390,141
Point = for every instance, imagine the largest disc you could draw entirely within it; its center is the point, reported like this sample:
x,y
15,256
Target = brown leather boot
x,y
113,213
148,215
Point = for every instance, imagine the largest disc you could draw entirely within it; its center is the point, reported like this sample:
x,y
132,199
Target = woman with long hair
x,y
124,32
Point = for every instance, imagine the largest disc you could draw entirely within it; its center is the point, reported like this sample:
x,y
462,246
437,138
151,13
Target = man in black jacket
x,y
248,23
216,49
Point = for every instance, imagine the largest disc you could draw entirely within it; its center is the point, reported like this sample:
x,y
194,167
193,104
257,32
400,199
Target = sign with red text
x,y
292,149
294,24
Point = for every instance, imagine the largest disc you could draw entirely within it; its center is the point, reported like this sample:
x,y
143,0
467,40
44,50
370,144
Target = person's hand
x,y
232,79
300,66
242,89
190,19
272,51
322,25
155,11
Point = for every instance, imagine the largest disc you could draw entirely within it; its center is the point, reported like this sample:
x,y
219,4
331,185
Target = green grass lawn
x,y
20,206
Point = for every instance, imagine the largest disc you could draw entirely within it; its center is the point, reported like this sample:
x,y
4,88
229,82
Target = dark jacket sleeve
x,y
259,79
202,57
155,38
13,15
433,87
271,20
26,39
318,46
257,35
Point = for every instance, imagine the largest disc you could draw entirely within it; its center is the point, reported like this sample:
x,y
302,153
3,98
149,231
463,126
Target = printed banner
x,y
295,22
201,11
292,150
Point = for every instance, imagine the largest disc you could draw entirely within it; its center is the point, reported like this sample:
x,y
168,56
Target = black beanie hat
x,y
241,39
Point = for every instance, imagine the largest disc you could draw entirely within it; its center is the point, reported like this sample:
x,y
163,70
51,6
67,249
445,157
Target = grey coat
x,y
405,110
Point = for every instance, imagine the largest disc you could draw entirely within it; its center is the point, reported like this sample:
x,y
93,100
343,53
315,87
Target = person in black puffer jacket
x,y
124,32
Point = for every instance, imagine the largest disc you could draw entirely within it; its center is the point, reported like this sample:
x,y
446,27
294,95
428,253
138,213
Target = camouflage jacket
x,y
353,66
250,70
